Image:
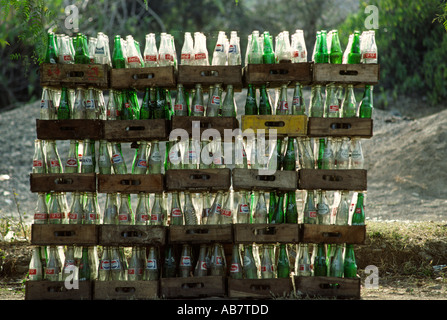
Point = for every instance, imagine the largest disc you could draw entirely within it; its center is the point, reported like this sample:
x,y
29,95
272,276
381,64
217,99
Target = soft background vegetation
x,y
411,38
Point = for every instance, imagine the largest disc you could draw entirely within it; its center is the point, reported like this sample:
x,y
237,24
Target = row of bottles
x,y
183,208
248,261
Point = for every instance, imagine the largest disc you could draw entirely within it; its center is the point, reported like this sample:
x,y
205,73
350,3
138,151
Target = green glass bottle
x,y
316,108
310,210
250,270
81,50
350,265
169,268
366,104
298,105
291,209
118,61
321,149
320,266
348,108
278,154
336,267
336,55
51,54
278,216
283,264
145,110
265,108
358,217
272,205
160,103
134,104
268,56
228,106
289,161
63,111
126,111
84,266
321,53
354,56
251,107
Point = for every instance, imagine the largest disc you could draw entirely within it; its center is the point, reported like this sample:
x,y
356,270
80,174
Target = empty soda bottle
x,y
316,107
69,267
350,265
180,104
88,164
332,105
282,106
176,210
111,209
197,104
357,159
142,211
187,53
52,269
79,106
35,269
251,106
229,108
52,158
104,160
76,213
320,266
139,165
328,159
116,265
354,55
220,50
185,262
349,109
265,106
249,268
303,262
260,214
150,54
268,55
135,268
155,159
39,163
217,261
90,213
169,267
55,210
189,211
278,216
215,211
310,211
41,210
291,215
342,155
226,214
366,105
267,271
289,161
119,166
201,269
174,156
104,271
236,263
342,215
298,104
358,217
336,54
51,54
125,215
283,263
234,52
323,209
336,267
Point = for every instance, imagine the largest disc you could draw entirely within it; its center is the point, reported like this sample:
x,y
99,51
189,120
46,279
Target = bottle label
x,y
142,163
50,271
104,265
116,158
55,163
217,160
199,56
295,54
267,268
203,265
185,261
283,105
312,214
55,215
333,108
358,210
198,108
155,217
87,161
150,58
304,267
115,264
218,261
71,162
89,104
40,216
219,48
192,155
323,208
156,157
232,49
185,56
173,156
235,267
370,55
123,217
73,216
176,212
226,213
37,163
135,271
215,100
243,208
143,217
178,107
151,264
32,272
133,59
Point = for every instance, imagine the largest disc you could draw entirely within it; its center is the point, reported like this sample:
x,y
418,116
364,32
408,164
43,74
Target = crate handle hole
x,y
192,285
64,233
143,76
265,178
259,287
349,72
135,128
55,288
330,177
198,230
336,126
125,289
199,177
131,234
63,181
264,231
130,182
329,285
75,74
332,234
279,71
210,73
278,124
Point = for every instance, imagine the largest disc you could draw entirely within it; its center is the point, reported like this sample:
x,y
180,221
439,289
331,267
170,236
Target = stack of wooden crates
x,y
102,77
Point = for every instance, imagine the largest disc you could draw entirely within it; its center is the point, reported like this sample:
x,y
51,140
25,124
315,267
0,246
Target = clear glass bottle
x,y
35,269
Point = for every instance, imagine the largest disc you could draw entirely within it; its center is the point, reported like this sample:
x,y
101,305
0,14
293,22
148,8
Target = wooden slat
x,y
122,235
74,75
343,179
266,233
136,130
346,73
198,179
313,233
64,234
56,290
275,75
130,183
259,288
70,129
340,127
195,125
141,78
290,125
210,75
192,287
254,179
62,182
201,233
125,290
328,287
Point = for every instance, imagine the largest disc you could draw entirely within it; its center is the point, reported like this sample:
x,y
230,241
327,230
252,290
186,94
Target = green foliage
x,y
412,47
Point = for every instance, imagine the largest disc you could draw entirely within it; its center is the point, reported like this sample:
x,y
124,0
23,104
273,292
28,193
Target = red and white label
x,y
312,214
37,163
215,100
133,60
178,107
67,58
226,213
50,271
32,272
154,217
333,108
57,215
55,163
185,56
370,55
185,261
123,217
176,212
71,162
40,216
73,216
283,105
234,267
150,58
198,108
199,56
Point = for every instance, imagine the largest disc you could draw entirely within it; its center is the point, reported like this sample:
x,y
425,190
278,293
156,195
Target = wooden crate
x,y
315,233
130,183
198,179
57,290
74,75
210,75
343,179
64,234
254,179
327,287
362,73
259,288
275,75
266,233
131,235
62,182
285,125
195,125
70,129
136,130
201,233
125,290
340,127
142,78
192,287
